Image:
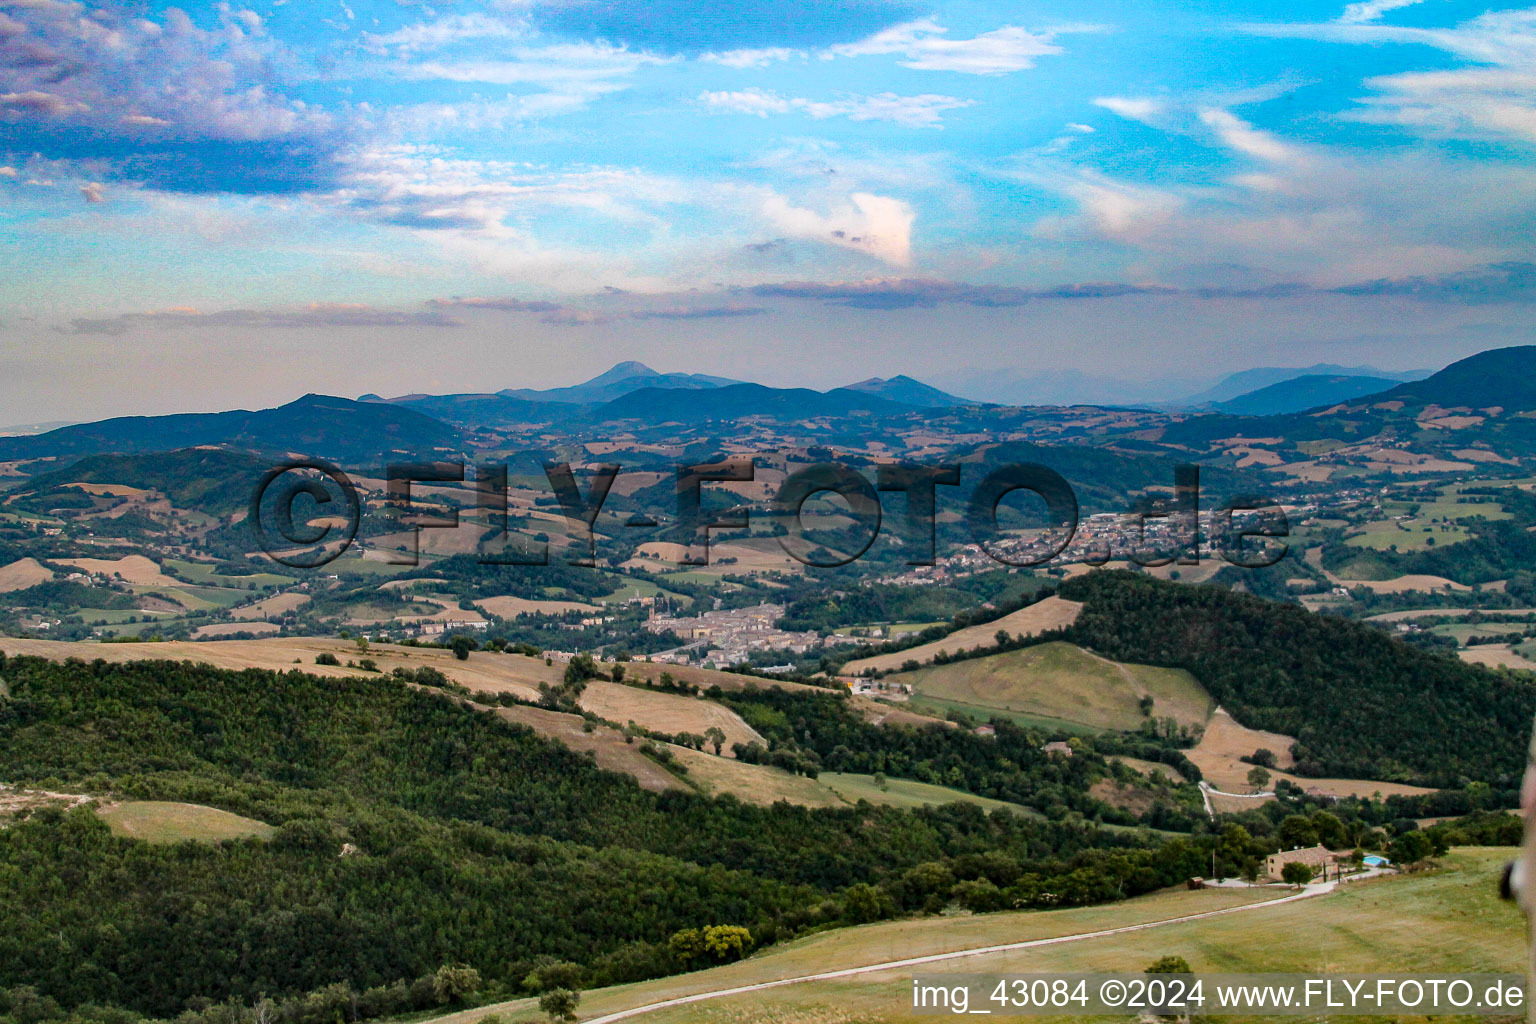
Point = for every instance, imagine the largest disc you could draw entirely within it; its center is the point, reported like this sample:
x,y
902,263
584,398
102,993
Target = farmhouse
x,y
1312,856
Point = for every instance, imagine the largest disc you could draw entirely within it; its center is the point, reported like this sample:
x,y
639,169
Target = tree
x,y
552,974
727,941
461,645
1411,847
1169,965
1296,873
716,737
1296,831
1258,777
1330,830
1264,757
559,1004
579,670
455,982
618,673
880,781
686,945
863,903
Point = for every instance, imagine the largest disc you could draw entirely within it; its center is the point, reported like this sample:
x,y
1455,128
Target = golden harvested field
x,y
1051,613
1150,767
1061,683
1495,655
156,821
133,569
605,744
23,573
752,783
665,712
231,628
512,607
112,490
1224,741
277,604
482,671
707,677
1403,584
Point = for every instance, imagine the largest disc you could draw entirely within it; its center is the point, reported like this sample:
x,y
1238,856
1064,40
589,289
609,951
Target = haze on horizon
x,y
215,206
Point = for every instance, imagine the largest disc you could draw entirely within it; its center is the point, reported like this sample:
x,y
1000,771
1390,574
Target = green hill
x,y
1059,684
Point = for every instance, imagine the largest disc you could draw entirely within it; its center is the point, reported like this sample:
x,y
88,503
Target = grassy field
x,y
1417,535
1059,684
156,821
751,783
1445,920
906,793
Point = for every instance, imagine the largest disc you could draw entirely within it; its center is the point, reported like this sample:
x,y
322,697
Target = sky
x,y
215,206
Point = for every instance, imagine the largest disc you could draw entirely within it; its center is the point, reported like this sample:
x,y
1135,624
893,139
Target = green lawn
x,y
1415,535
203,572
1441,921
156,821
906,793
1058,683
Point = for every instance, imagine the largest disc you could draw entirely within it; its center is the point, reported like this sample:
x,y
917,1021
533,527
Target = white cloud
x,y
877,225
1133,108
925,46
1371,10
923,111
753,58
543,65
1495,99
431,35
1238,134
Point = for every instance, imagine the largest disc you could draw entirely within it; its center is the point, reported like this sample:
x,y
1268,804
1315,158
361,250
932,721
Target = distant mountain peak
x,y
908,391
626,370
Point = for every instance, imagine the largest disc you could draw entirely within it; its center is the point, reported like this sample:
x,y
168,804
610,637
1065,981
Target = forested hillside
x,y
1360,703
414,831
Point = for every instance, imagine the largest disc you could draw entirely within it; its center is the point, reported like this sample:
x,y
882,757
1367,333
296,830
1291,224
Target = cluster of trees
x,y
1360,703
884,602
1009,765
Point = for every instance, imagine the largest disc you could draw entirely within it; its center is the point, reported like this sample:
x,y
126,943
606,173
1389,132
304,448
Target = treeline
x,y
414,831
1007,766
1360,703
881,602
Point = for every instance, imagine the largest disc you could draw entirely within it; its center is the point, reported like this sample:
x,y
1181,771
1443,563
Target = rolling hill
x,y
905,389
1060,685
1503,377
1301,393
320,425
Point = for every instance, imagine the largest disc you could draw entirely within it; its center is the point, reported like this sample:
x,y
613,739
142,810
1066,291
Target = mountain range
x,y
430,425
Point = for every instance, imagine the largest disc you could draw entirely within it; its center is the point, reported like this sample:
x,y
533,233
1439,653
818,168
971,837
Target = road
x,y
917,961
1206,789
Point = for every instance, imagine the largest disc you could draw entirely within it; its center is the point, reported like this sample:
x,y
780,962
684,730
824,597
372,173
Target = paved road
x,y
699,997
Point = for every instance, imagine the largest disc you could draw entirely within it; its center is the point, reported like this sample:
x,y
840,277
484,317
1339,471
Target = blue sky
x,y
230,204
